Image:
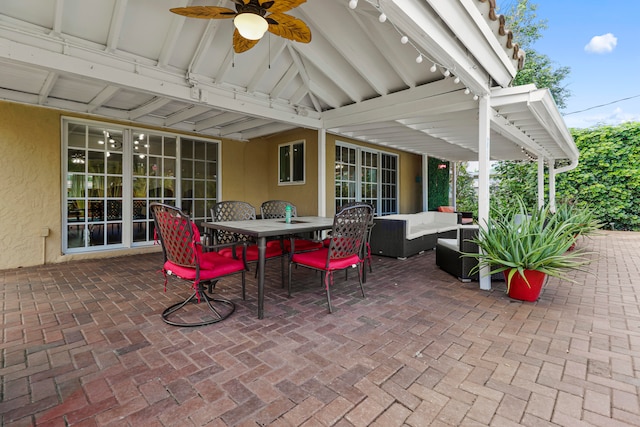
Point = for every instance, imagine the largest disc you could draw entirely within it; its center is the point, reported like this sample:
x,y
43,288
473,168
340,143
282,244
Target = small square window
x,y
291,166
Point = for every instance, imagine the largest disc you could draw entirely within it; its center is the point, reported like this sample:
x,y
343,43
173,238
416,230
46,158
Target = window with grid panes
x,y
368,176
114,173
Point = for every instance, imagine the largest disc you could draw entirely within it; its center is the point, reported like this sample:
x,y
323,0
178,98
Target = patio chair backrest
x,y
231,210
276,209
177,234
348,234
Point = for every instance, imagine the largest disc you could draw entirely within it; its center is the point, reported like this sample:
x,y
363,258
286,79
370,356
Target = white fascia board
x,y
466,22
127,74
500,60
544,108
429,34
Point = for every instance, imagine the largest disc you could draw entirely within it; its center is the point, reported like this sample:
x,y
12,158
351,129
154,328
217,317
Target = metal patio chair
x,y
184,258
345,248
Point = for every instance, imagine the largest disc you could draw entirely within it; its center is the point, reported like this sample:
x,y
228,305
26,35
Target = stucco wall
x,y
30,185
30,177
303,196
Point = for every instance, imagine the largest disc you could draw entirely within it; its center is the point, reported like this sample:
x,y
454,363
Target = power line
x,y
602,105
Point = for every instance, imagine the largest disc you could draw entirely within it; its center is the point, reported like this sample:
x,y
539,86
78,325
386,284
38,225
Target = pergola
x,y
433,78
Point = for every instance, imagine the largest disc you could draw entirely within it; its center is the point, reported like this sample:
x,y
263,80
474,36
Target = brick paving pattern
x,y
83,344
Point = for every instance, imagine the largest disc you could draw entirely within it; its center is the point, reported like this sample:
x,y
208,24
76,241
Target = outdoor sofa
x,y
404,235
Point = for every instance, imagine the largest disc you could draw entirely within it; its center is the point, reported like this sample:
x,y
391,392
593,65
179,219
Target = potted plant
x,y
528,249
583,221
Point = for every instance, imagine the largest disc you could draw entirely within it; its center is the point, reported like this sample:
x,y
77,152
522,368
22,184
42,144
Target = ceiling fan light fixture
x,y
251,26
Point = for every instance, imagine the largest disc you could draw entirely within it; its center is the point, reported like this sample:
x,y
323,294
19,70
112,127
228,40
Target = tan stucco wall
x,y
30,184
30,177
303,196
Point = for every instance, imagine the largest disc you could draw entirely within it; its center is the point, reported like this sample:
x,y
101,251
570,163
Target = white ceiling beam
x,y
204,44
170,42
305,77
186,114
340,72
101,98
438,97
117,21
218,120
274,53
47,86
149,79
148,108
353,46
270,129
242,126
284,81
56,29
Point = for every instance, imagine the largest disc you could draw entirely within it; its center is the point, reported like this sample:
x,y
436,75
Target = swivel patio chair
x,y
345,248
277,209
184,258
241,245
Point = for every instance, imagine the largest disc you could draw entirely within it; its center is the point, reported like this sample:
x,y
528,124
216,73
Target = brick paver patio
x,y
83,344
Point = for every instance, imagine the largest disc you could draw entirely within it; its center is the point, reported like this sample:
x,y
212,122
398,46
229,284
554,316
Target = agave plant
x,y
583,221
539,241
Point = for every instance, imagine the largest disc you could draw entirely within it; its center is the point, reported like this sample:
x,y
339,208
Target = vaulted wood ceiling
x,y
133,60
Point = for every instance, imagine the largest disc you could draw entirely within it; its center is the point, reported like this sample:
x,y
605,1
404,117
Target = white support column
x,y
322,172
484,168
454,184
425,183
540,181
552,185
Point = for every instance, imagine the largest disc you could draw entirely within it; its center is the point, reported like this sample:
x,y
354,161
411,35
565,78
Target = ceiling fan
x,y
252,19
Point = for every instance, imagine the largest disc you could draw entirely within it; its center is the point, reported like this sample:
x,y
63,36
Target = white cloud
x,y
602,44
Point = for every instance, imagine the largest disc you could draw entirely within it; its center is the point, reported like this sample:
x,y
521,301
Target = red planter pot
x,y
518,289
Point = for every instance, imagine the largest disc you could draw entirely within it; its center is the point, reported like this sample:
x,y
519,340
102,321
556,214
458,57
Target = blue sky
x,y
607,70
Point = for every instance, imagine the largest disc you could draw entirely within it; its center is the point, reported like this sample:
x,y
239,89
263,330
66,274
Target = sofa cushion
x,y
449,209
449,243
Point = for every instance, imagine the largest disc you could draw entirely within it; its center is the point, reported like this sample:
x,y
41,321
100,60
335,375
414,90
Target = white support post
x,y
552,186
322,172
540,182
425,183
454,184
484,168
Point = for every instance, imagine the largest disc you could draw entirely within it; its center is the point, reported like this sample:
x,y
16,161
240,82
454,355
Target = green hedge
x,y
606,181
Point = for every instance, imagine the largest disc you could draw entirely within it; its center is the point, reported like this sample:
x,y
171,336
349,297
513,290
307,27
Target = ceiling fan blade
x,y
289,27
280,6
240,44
205,12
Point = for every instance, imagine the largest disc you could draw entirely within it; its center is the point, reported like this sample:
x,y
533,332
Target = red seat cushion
x,y
212,265
302,245
318,259
273,250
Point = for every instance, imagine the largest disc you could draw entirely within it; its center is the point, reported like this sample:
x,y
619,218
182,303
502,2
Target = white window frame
x,y
127,222
358,156
291,165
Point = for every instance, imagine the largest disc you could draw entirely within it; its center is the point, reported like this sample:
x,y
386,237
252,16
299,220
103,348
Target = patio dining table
x,y
261,229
